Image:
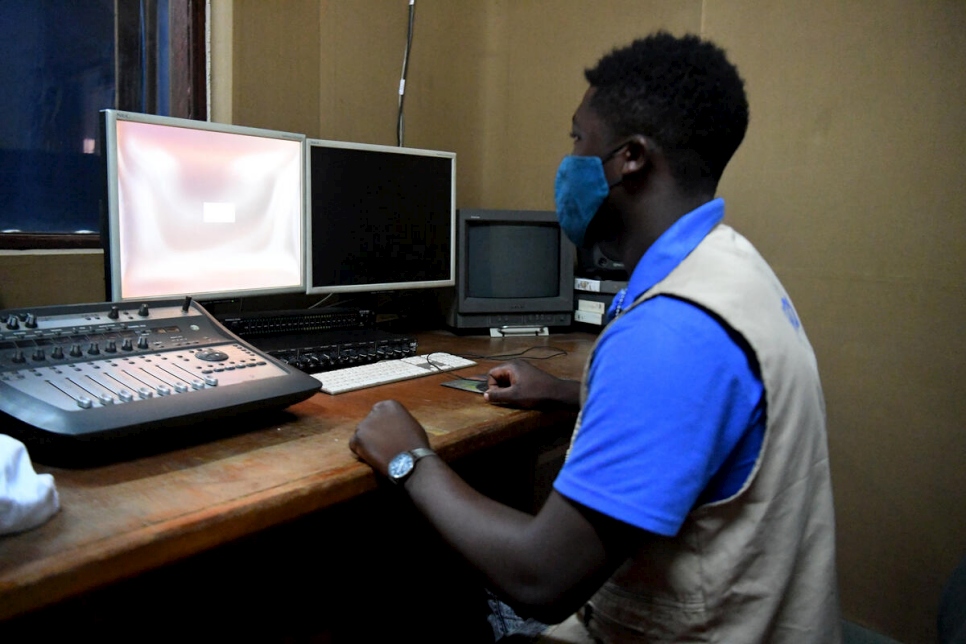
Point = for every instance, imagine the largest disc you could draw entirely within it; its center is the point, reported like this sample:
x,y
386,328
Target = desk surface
x,y
123,519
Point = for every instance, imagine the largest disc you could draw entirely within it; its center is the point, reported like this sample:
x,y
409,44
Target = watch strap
x,y
420,452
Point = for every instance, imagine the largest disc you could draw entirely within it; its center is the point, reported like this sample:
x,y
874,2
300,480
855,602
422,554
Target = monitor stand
x,y
514,331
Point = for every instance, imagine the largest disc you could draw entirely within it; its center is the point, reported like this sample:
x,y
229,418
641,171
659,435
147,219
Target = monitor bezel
x,y
110,221
563,302
311,287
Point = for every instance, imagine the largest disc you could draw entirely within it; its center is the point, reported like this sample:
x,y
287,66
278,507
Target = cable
x,y
555,352
400,125
322,301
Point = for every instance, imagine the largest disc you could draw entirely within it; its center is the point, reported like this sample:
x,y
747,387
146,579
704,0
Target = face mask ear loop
x,y
610,155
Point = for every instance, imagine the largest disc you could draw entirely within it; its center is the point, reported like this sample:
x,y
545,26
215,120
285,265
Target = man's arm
x,y
546,566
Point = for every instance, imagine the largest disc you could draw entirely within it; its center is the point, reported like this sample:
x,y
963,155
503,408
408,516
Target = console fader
x,y
91,371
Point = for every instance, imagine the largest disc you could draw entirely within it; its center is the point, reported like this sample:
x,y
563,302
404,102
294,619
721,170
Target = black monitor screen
x,y
511,260
381,217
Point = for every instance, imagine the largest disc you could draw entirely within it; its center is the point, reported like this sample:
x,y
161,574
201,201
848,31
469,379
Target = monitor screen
x,y
494,251
381,217
202,209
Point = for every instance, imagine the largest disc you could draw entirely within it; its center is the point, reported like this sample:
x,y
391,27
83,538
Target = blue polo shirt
x,y
674,416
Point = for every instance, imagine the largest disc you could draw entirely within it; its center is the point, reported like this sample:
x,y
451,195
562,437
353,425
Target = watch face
x,y
401,465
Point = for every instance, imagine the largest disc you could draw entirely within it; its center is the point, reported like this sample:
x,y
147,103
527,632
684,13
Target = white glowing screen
x,y
203,212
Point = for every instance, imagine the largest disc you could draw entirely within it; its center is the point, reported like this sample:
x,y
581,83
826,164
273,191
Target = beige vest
x,y
759,566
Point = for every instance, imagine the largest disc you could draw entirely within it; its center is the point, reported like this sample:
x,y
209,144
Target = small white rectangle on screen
x,y
219,212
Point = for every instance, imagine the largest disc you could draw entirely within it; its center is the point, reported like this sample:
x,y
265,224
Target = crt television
x,y
203,209
515,273
381,218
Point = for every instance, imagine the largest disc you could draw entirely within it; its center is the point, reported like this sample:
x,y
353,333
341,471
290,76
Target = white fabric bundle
x,y
27,499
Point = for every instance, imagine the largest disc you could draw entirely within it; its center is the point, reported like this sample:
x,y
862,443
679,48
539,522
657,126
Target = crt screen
x,y
206,212
380,218
513,260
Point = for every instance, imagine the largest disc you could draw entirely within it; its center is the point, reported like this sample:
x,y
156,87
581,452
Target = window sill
x,y
47,241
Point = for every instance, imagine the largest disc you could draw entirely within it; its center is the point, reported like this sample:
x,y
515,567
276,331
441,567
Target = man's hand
x,y
388,430
520,384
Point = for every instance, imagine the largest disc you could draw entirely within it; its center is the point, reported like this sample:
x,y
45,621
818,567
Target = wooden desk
x,y
125,519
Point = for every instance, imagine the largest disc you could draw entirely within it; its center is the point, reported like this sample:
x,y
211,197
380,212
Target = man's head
x,y
682,94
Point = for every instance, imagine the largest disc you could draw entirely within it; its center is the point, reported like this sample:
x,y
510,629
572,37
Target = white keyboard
x,y
386,371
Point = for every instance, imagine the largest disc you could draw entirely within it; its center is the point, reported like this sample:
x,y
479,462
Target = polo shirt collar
x,y
669,250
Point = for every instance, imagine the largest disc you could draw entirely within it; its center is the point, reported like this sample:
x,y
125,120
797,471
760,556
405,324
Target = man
x,y
695,503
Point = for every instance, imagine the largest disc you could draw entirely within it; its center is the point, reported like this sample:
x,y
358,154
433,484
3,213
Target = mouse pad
x,y
467,384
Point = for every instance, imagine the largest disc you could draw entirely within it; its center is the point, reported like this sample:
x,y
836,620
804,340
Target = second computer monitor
x,y
380,217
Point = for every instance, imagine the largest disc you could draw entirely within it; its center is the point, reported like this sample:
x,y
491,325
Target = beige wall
x,y
41,278
849,182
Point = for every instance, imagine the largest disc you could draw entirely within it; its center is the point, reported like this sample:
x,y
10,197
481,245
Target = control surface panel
x,y
99,370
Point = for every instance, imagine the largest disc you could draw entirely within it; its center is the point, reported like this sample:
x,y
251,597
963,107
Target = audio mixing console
x,y
86,373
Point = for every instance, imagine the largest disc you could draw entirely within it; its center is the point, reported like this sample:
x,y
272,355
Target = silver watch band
x,y
420,452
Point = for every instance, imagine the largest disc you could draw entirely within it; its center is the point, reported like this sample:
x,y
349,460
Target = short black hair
x,y
684,94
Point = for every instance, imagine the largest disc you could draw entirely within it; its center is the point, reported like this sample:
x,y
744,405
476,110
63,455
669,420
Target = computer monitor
x,y
515,273
203,209
381,218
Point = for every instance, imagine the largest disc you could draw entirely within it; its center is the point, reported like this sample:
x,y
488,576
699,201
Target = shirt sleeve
x,y
670,395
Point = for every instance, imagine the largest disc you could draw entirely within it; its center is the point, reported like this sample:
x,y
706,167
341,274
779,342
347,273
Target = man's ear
x,y
637,155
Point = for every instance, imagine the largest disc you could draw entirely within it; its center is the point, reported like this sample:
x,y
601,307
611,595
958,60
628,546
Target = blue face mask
x,y
579,191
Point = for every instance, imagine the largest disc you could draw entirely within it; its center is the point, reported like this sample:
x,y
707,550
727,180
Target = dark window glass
x,y
64,61
57,73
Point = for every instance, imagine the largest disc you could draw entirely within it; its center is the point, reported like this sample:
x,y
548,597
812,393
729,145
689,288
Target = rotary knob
x,y
13,323
39,355
211,355
111,346
127,345
143,342
75,351
94,349
57,353
31,321
143,310
114,313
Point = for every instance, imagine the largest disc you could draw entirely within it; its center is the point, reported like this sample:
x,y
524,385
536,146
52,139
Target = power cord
x,y
400,124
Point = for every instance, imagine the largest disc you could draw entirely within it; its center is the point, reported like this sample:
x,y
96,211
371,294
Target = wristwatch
x,y
403,463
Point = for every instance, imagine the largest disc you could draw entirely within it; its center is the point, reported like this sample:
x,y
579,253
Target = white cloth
x,y
27,499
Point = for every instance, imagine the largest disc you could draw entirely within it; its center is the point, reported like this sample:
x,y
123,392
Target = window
x,y
63,62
